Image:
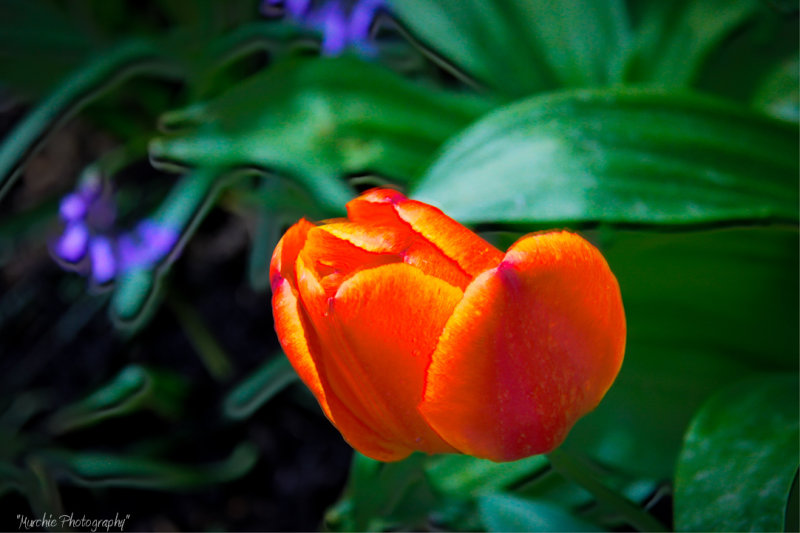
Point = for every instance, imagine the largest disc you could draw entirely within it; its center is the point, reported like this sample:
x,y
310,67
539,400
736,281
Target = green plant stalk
x,y
577,471
259,387
206,346
75,92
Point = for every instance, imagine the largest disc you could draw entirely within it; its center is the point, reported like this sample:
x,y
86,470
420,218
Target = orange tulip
x,y
414,333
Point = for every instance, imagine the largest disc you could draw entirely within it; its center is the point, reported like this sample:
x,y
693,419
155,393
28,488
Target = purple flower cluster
x,y
88,243
341,23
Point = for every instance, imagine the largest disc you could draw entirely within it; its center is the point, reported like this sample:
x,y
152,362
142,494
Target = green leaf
x,y
462,475
754,65
779,93
259,387
211,353
689,299
383,495
137,290
582,473
519,47
740,457
95,469
272,204
674,39
316,120
504,512
80,87
134,388
621,155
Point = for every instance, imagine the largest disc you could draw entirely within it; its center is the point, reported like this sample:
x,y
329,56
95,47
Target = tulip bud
x,y
415,334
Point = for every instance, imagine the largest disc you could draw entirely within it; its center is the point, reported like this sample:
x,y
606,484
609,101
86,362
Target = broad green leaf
x,y
621,155
259,387
95,469
316,120
754,65
504,512
673,39
740,457
518,47
779,93
703,309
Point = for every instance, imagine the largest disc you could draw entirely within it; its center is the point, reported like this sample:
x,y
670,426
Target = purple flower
x,y
341,23
297,8
73,207
334,29
361,19
89,230
147,245
101,254
71,247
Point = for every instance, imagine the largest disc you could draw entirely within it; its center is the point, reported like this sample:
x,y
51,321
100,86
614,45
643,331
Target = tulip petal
x,y
334,258
287,250
534,345
297,340
371,238
472,254
393,335
292,335
380,382
393,244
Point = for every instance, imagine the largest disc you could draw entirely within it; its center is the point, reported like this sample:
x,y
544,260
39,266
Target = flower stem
x,y
577,471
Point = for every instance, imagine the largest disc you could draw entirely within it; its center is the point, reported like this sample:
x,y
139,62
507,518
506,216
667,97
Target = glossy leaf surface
x,y
739,458
690,318
521,47
317,121
503,512
618,156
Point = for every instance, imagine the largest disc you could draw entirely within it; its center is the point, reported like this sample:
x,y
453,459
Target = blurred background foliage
x,y
664,131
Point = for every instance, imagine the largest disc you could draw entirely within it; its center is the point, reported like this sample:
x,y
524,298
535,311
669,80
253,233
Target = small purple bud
x,y
102,257
361,19
130,255
297,8
157,237
71,247
73,207
334,24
